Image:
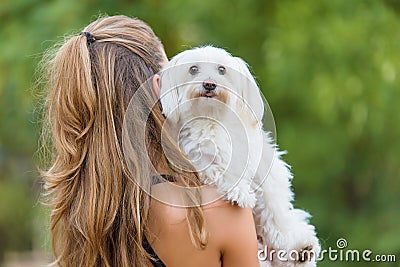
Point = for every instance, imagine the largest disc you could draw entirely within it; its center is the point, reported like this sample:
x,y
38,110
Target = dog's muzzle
x,y
209,87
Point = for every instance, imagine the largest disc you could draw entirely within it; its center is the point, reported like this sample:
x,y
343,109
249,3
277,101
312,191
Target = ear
x,y
169,95
250,93
156,85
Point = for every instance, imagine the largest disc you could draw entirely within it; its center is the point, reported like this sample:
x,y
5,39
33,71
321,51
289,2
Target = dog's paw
x,y
306,254
304,257
243,198
309,249
299,245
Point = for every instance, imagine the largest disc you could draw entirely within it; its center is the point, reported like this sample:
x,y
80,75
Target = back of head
x,y
98,211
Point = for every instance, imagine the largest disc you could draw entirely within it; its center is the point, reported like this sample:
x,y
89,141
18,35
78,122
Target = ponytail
x,y
99,213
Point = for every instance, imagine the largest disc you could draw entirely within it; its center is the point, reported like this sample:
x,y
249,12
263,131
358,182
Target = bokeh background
x,y
328,68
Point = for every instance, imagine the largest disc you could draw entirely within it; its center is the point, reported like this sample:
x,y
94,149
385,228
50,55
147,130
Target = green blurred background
x,y
328,68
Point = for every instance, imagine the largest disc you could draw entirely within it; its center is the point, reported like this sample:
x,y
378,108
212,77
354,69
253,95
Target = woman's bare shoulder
x,y
232,227
171,200
229,218
175,195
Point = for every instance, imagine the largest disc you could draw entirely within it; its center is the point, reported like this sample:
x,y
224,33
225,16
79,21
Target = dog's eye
x,y
221,70
193,70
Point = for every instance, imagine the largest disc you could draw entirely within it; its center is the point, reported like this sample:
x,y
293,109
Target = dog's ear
x,y
169,95
250,93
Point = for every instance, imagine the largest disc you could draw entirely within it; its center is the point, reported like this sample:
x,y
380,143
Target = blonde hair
x,y
99,213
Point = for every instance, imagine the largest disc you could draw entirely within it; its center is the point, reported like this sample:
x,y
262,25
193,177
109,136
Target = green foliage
x,y
331,78
15,220
329,69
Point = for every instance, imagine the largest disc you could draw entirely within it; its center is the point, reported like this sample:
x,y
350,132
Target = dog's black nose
x,y
209,85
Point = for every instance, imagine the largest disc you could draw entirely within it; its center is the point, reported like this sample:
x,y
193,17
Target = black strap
x,y
157,179
155,260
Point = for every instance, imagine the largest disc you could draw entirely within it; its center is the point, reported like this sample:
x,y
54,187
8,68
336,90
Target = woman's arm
x,y
234,228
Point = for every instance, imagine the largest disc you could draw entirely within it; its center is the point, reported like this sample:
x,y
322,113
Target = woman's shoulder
x,y
176,196
231,229
221,215
230,222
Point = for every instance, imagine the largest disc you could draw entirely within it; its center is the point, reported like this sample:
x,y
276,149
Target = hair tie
x,y
89,37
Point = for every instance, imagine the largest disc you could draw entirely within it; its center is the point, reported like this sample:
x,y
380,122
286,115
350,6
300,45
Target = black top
x,y
155,260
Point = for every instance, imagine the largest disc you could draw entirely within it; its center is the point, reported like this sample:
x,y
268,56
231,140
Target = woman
x,y
102,212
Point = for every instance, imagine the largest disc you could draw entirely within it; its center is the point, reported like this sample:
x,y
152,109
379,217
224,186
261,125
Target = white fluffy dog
x,y
214,101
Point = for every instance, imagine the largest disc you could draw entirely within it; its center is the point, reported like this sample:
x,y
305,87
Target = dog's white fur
x,y
221,132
